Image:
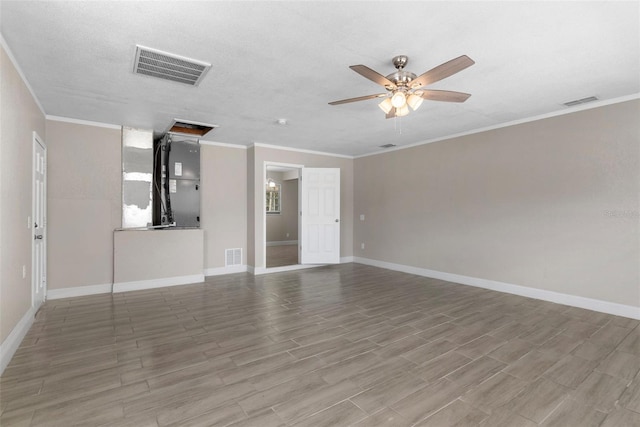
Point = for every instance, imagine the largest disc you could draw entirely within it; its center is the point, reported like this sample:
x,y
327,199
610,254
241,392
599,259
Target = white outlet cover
x,y
361,245
361,217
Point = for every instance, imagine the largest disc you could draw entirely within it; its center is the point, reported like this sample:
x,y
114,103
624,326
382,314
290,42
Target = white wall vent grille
x,y
581,101
167,66
232,257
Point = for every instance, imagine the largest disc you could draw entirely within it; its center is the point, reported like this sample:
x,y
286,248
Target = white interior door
x,y
320,216
39,209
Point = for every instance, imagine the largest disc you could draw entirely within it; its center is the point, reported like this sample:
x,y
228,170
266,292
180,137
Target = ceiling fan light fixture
x,y
415,101
399,99
386,105
405,89
402,111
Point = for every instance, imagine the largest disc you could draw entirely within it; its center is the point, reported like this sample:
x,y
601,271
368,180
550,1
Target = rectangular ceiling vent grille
x,y
387,145
232,257
167,66
581,101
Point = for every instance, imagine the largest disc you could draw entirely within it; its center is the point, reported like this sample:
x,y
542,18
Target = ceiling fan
x,y
405,89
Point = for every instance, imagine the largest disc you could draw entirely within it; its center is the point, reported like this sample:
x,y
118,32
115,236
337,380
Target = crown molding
x,y
82,122
299,150
222,144
570,110
13,60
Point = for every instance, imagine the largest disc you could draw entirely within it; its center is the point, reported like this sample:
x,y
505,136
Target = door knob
x,y
337,220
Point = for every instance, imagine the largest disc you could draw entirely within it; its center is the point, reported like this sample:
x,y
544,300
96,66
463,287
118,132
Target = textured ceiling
x,y
274,60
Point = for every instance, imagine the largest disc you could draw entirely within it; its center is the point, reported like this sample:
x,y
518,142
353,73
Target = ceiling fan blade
x,y
442,71
360,98
391,114
374,76
445,95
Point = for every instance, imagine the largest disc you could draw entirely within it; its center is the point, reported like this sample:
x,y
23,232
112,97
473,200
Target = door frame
x,y
264,214
39,141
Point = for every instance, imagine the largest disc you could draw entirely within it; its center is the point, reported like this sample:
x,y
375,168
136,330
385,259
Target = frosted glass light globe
x,y
386,105
398,99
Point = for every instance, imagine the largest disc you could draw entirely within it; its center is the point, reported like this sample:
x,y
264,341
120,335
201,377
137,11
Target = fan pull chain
x,y
397,124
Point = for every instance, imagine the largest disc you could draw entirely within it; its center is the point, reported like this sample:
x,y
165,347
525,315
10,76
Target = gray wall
x,y
20,117
551,204
150,255
223,214
84,202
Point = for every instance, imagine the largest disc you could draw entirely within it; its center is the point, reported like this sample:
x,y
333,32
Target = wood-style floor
x,y
330,346
279,256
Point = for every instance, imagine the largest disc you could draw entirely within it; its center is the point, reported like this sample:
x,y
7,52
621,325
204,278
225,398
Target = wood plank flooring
x,y
330,346
279,256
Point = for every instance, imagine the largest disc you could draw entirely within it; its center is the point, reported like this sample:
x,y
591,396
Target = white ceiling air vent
x,y
581,101
167,66
387,145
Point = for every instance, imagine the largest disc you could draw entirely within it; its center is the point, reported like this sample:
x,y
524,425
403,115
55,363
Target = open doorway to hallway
x,y
282,219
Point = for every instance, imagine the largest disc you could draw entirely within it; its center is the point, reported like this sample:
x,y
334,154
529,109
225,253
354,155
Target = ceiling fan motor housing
x,y
401,78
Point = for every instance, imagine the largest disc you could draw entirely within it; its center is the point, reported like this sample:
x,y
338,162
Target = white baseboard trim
x,y
79,291
262,270
12,342
541,294
218,271
157,283
282,243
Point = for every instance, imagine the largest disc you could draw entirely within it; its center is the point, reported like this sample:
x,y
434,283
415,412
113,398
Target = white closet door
x,y
320,216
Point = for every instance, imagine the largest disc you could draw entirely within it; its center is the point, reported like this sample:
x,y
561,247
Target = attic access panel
x,y
185,127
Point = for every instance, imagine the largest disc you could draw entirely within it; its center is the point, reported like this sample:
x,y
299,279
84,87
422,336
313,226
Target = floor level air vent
x,y
232,257
167,66
581,101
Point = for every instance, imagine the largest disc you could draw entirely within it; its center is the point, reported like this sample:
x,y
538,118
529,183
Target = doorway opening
x,y
282,207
